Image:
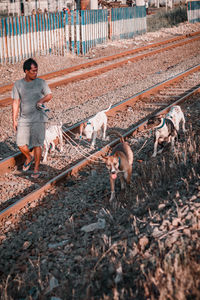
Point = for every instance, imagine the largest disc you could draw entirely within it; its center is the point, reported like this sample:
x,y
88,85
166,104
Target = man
x,y
28,94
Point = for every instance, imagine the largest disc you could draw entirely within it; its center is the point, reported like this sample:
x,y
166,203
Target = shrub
x,y
167,19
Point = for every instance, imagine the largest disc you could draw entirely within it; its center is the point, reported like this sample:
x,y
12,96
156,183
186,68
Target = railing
x,y
128,22
75,32
193,11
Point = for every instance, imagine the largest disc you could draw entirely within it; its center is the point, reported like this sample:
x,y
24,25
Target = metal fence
x,y
128,22
75,31
193,11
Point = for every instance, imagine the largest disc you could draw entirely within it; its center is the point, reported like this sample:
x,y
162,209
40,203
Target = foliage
x,y
167,18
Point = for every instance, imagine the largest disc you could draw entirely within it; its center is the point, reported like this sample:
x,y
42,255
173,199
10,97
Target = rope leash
x,y
43,109
69,139
86,142
141,147
67,136
77,147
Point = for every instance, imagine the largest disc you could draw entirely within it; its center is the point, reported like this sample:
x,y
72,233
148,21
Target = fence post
x,y
16,56
83,31
67,32
78,32
72,30
7,39
28,37
1,46
110,23
4,40
11,40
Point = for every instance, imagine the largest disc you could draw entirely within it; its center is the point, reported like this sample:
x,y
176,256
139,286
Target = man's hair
x,y
27,64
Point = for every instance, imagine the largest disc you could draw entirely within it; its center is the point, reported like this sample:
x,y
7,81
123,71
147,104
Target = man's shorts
x,y
31,134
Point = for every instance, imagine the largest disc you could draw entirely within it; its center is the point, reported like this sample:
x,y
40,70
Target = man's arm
x,y
45,91
46,98
15,108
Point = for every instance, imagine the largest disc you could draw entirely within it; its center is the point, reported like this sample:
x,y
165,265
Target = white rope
x,y
87,152
84,152
141,147
67,137
86,142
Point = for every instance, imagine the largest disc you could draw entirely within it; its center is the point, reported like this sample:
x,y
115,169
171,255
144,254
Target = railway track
x,y
7,164
93,68
157,99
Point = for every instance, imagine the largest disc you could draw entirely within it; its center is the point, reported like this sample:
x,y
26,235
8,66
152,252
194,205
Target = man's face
x,y
32,73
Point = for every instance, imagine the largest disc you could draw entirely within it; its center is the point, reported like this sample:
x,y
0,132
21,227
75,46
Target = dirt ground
x,y
144,245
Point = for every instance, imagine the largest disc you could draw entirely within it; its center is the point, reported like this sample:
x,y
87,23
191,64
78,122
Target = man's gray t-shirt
x,y
29,94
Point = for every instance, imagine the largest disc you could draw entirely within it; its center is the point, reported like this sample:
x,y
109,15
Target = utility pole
x,y
157,3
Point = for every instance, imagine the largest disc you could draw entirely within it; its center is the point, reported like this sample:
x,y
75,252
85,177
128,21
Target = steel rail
x,y
8,101
116,65
10,162
50,75
116,56
12,209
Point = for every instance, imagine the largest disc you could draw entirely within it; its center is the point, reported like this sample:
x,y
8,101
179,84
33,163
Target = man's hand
x,y
46,98
41,107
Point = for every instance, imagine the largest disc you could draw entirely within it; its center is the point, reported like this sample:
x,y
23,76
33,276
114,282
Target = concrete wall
x,y
140,2
93,4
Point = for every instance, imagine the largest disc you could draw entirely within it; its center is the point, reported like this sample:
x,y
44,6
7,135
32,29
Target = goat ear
x,y
104,157
116,155
161,116
81,128
109,150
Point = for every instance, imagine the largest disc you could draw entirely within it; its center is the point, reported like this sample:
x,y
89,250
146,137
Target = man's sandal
x,y
36,175
26,167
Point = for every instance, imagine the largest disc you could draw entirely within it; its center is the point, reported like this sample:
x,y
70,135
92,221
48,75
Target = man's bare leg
x,y
25,150
37,155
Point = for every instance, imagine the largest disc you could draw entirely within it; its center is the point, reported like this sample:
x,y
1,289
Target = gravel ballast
x,y
74,244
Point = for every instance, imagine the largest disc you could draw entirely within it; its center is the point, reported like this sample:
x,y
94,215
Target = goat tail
x,y
115,132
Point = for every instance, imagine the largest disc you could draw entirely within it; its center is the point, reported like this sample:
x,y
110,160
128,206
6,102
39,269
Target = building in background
x,y
28,7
